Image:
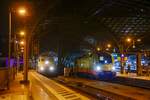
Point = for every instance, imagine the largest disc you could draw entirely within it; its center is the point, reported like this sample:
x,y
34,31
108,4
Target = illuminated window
x,y
101,58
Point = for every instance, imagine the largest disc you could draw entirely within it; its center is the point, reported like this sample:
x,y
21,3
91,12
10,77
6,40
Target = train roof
x,y
96,53
48,54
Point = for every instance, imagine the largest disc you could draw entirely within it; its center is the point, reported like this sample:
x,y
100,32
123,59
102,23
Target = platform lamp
x,y
21,11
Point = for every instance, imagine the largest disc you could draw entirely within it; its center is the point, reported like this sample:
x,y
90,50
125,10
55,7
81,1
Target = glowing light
x,y
22,11
98,49
98,68
22,51
122,55
22,42
133,46
113,68
41,68
101,58
128,39
108,45
55,59
46,62
51,68
107,49
16,41
22,33
139,40
89,53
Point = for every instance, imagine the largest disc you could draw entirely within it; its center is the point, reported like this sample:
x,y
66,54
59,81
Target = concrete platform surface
x,y
39,88
54,90
17,91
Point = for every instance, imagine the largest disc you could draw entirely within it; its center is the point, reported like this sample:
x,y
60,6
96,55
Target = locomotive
x,y
47,65
96,65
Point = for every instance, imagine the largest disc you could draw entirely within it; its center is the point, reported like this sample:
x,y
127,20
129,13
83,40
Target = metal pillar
x,y
139,67
25,60
122,65
9,49
122,59
18,58
15,55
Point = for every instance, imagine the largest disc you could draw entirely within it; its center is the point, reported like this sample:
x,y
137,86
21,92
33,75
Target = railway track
x,y
97,89
106,90
132,82
98,93
86,89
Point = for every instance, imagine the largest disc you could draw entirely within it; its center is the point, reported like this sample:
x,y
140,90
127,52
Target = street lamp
x,y
128,39
22,12
22,42
98,49
22,33
108,45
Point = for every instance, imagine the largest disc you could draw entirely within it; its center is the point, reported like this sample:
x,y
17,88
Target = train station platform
x,y
16,91
133,75
39,88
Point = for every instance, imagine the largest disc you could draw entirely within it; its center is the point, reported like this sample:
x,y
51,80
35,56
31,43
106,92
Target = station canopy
x,y
77,18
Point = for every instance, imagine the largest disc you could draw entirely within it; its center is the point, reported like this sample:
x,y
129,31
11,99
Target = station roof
x,y
80,17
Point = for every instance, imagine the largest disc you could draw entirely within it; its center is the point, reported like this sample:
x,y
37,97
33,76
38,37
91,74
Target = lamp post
x,y
123,47
25,57
21,12
108,45
9,48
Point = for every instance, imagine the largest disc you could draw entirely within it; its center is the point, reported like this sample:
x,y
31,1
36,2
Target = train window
x,y
82,65
101,58
42,59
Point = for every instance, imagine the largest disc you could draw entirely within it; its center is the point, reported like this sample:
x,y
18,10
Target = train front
x,y
47,66
104,67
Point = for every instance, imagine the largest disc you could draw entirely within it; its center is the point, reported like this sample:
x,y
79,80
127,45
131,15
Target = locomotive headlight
x,y
98,68
51,68
46,62
41,68
113,68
